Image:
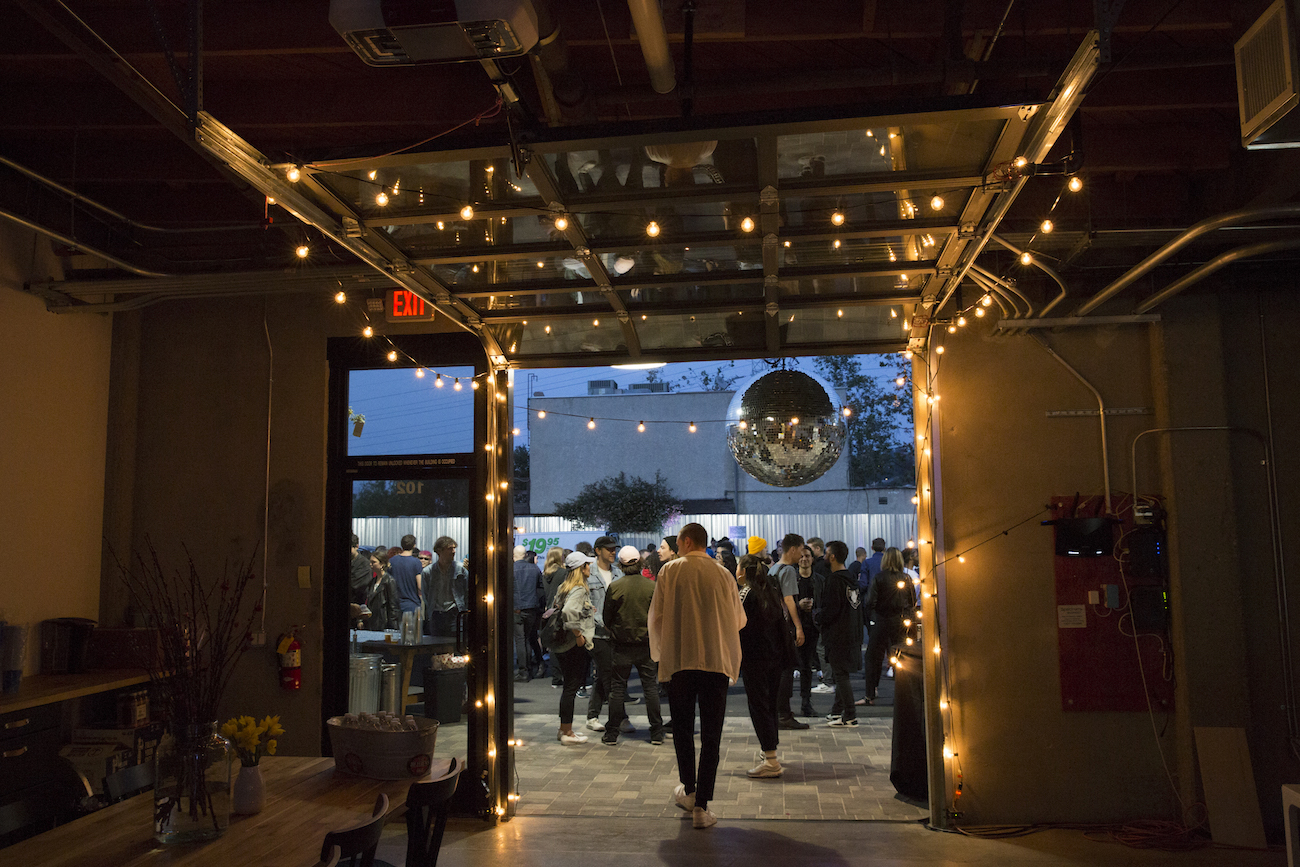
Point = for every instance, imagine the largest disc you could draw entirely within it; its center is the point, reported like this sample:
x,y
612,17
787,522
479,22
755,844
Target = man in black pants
x,y
787,575
694,622
627,606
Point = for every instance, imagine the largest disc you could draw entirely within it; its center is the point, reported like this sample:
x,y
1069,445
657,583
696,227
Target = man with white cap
x,y
627,606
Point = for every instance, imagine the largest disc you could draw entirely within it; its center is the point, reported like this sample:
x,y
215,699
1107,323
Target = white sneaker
x,y
595,724
823,688
702,818
573,739
840,721
766,768
683,800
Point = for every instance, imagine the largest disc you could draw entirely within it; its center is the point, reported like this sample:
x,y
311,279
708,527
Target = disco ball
x,y
785,428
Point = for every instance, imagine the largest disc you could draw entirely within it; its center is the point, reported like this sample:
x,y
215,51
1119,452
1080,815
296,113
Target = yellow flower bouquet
x,y
253,739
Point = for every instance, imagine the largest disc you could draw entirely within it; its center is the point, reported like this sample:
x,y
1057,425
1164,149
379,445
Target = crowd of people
x,y
692,618
386,583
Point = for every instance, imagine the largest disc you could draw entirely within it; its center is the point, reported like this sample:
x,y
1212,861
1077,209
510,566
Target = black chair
x,y
332,860
358,844
427,806
122,784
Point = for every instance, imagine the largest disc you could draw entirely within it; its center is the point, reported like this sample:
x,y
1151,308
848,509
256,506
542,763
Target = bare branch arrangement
x,y
203,629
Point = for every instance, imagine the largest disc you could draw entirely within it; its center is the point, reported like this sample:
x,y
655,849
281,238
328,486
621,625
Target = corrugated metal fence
x,y
853,530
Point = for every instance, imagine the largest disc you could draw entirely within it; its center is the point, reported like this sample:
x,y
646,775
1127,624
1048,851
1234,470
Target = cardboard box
x,y
96,761
140,742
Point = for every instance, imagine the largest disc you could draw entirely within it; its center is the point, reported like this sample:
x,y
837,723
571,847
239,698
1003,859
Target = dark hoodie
x,y
840,620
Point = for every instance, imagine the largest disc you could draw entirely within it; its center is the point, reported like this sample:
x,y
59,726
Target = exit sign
x,y
405,306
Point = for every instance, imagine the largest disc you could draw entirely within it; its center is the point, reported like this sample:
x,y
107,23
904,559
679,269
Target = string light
x,y
1021,162
979,312
367,332
836,244
419,372
943,704
641,427
341,297
747,225
937,649
541,413
293,174
441,225
561,222
473,384
961,321
899,382
961,559
936,203
591,424
947,752
691,428
847,412
548,329
652,229
939,349
1047,226
467,213
837,218
455,386
303,251
952,329
743,425
1076,184
839,313
381,198
986,301
1026,259
487,598
392,355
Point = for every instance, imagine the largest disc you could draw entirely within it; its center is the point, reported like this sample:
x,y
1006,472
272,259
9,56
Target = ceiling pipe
x,y
1222,260
648,19
989,276
1101,411
997,293
1033,260
1232,218
81,248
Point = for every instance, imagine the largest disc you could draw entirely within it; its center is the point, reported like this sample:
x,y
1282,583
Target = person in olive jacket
x,y
627,609
840,621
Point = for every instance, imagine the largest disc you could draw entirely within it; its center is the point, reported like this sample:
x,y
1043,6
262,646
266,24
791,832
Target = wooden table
x,y
305,797
373,642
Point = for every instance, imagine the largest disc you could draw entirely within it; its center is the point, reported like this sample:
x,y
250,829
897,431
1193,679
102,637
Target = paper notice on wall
x,y
1071,616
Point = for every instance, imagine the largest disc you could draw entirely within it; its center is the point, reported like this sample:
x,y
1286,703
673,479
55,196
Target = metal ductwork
x,y
648,19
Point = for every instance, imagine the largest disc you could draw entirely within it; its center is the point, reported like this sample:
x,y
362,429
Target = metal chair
x,y
427,806
358,844
122,784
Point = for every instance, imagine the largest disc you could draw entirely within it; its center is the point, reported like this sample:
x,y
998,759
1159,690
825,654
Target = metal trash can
x,y
363,683
390,684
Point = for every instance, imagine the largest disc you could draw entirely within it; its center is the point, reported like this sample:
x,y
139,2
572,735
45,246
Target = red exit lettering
x,y
406,303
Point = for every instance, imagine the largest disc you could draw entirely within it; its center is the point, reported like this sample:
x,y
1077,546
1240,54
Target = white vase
x,y
249,795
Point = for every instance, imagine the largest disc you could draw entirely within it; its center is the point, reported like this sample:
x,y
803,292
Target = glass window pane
x,y
562,336
873,149
406,414
712,330
548,302
831,325
433,187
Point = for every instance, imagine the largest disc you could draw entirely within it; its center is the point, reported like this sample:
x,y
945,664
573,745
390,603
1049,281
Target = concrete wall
x,y
1022,758
54,389
565,455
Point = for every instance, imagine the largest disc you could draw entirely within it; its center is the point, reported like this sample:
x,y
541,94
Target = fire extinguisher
x,y
290,650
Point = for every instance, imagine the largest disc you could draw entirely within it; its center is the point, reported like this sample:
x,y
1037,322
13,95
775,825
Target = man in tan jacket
x,y
694,622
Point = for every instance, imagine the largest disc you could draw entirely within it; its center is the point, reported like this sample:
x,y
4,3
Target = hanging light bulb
x,y
441,225
541,413
640,427
847,412
595,323
341,297
652,229
437,381
961,321
456,386
899,382
548,329
561,222
839,313
936,203
294,174
303,251
473,384
1046,227
836,244
837,218
1076,184
392,355
1026,258
1021,162
952,329
979,312
419,372
591,424
381,198
367,332
691,428
986,301
939,349
467,212
514,432
474,269
747,224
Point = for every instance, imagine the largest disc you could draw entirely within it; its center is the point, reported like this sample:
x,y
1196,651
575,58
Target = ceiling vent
x,y
1266,82
410,32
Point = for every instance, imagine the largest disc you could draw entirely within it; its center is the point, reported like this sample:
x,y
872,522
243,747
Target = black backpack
x,y
552,633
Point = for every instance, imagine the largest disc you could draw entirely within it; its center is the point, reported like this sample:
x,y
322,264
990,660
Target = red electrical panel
x,y
1110,575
